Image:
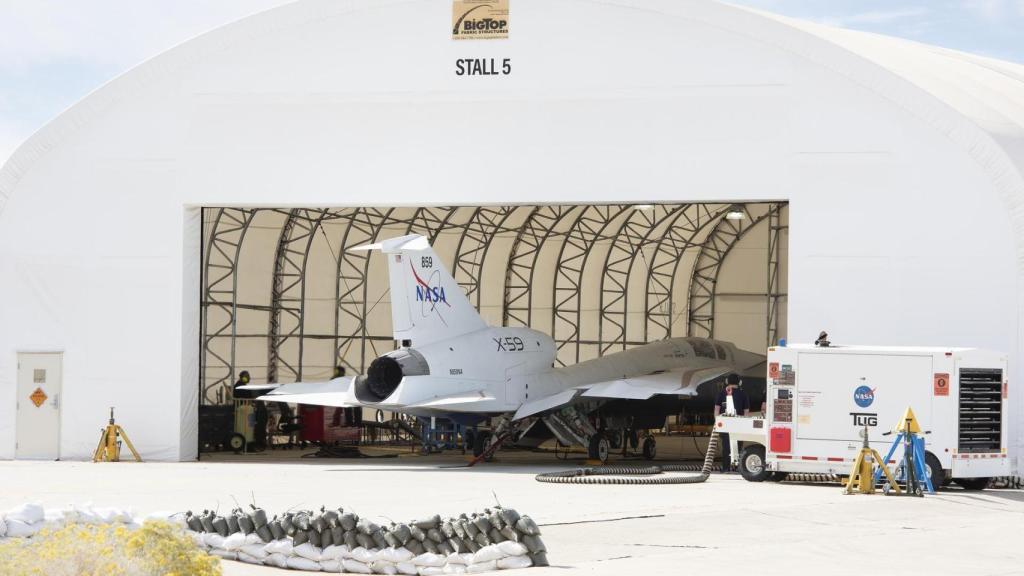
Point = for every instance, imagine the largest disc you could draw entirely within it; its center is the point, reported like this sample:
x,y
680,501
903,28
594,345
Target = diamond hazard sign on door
x,y
941,384
38,397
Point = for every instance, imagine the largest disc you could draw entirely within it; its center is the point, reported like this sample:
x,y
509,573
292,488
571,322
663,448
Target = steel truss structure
x,y
655,271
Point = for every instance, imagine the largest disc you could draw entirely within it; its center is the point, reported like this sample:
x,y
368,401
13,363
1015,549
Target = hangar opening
x,y
285,299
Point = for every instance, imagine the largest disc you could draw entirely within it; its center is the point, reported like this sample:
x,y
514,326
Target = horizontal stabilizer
x,y
442,402
337,393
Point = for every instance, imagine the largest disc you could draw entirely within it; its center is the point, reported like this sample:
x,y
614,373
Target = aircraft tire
x,y
599,448
650,448
480,442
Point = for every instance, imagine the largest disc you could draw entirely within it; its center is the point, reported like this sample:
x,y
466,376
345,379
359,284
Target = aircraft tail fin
x,y
427,305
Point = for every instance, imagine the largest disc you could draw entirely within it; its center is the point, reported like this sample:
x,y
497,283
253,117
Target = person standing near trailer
x,y
740,403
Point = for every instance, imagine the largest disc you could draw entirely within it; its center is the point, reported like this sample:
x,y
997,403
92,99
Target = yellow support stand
x,y
109,449
862,476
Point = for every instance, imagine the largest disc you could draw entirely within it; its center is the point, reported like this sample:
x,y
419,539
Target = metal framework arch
x,y
577,245
220,296
704,279
663,266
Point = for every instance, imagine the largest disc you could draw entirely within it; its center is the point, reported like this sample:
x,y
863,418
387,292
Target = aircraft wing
x,y
336,393
674,382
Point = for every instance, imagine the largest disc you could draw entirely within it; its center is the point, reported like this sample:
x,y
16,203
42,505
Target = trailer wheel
x,y
972,483
752,464
777,476
935,472
650,448
237,443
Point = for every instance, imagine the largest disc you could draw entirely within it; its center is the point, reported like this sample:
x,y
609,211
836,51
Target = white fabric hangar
x,y
901,164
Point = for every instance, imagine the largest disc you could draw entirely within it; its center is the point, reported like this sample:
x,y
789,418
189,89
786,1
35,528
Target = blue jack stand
x,y
911,471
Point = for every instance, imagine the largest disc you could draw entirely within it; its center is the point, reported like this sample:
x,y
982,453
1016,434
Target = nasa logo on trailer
x,y
863,396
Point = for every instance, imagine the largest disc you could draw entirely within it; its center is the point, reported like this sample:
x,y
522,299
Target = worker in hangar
x,y
740,404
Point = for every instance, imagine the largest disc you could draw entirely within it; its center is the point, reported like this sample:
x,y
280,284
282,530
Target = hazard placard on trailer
x,y
773,370
941,384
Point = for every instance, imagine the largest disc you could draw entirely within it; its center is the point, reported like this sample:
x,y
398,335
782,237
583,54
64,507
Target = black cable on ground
x,y
620,474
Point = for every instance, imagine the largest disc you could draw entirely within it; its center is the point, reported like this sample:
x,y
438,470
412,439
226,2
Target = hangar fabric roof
x,y
988,93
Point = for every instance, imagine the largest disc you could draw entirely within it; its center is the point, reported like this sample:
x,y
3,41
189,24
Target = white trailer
x,y
820,398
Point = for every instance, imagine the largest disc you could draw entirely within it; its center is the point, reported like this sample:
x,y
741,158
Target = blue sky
x,y
53,52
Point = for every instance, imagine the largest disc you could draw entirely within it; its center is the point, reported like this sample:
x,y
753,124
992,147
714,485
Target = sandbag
x,y
431,571
526,525
391,540
496,522
428,523
402,532
417,533
330,518
416,547
510,533
243,557
251,539
348,521
384,567
214,540
539,559
364,540
454,569
496,536
258,517
278,560
486,554
309,552
514,562
319,524
509,516
301,521
435,535
193,523
264,533
509,548
365,526
393,555
482,524
431,546
300,563
407,568
276,531
313,537
244,523
300,538
445,548
233,542
355,566
283,546
457,546
534,544
224,554
378,539
350,539
26,513
19,529
232,524
334,553
455,558
337,536
427,559
482,539
220,525
482,567
258,551
330,565
362,555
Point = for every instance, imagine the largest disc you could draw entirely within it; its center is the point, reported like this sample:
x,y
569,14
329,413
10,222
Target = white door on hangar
x,y
39,389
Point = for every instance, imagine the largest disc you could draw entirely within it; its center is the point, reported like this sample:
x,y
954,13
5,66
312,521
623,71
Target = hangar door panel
x,y
838,393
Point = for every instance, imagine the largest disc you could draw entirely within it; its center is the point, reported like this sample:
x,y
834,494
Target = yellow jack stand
x,y
109,449
862,476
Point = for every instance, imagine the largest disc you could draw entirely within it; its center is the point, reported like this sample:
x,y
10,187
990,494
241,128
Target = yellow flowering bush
x,y
155,549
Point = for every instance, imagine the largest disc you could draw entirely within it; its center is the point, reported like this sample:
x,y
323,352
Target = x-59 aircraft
x,y
452,364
